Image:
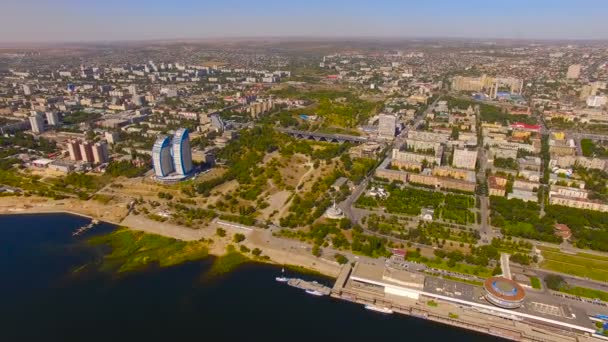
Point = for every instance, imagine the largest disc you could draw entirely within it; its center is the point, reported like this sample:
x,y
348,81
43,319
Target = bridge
x,y
337,138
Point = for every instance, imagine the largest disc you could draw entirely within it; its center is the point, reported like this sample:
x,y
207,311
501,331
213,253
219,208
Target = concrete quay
x,y
409,294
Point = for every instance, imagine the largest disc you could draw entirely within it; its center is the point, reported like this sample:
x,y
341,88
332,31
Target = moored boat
x,y
383,310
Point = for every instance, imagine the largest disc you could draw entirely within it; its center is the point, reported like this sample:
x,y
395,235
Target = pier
x,y
85,228
412,295
312,286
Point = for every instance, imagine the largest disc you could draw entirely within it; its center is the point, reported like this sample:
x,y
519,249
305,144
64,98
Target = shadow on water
x,y
43,299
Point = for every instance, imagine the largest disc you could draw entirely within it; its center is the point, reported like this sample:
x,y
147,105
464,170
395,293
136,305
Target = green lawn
x,y
585,292
133,250
459,268
581,265
535,282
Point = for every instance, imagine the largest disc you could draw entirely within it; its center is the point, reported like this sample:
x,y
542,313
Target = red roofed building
x,y
400,253
562,231
525,127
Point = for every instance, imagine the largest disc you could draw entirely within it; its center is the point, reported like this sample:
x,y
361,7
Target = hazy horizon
x,y
40,21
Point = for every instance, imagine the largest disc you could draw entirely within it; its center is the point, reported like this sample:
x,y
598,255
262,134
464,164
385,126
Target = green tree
x,y
555,282
221,232
341,259
238,238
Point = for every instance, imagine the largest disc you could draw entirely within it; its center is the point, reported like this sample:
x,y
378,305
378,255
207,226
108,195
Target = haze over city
x,y
112,20
303,171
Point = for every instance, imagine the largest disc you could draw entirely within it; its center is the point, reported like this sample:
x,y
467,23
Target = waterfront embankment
x,y
279,251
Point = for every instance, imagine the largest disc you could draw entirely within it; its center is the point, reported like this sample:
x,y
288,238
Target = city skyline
x,y
68,20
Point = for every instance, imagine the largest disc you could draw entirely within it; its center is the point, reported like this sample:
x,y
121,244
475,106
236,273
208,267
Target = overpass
x,y
338,138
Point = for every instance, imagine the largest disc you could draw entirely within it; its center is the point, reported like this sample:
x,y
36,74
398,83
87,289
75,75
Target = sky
x,y
118,20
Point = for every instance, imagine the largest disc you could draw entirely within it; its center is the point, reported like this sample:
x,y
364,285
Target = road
x,y
347,205
504,265
485,230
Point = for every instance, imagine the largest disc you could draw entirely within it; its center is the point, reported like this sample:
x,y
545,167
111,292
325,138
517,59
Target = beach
x,y
280,251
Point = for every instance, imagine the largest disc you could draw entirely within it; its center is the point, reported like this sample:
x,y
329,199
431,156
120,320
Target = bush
x,y
555,282
221,232
341,259
238,238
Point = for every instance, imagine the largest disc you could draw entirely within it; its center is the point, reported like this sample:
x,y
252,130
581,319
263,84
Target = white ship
x,y
315,293
282,278
379,309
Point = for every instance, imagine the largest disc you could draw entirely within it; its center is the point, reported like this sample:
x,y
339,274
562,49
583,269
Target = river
x,y
42,298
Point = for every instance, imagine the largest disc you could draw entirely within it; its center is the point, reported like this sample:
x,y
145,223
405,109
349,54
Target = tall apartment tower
x,y
100,152
161,157
37,123
574,71
27,90
182,154
74,150
86,151
52,118
387,125
111,137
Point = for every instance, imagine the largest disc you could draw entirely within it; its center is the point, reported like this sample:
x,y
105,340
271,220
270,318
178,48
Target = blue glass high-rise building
x,y
161,157
182,154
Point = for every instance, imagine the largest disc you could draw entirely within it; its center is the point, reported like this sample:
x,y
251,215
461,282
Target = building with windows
x,y
37,123
86,151
161,157
172,157
387,125
182,154
52,118
574,71
464,159
74,150
100,152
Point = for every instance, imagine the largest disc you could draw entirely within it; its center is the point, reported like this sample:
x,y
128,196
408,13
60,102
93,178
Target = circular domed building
x,y
504,292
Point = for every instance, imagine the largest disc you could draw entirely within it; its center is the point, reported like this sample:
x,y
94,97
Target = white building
x,y
111,137
52,118
596,101
464,159
182,154
37,123
387,124
161,157
100,152
27,90
86,151
74,150
574,71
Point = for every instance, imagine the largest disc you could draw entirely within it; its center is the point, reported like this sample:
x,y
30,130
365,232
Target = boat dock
x,y
385,290
309,286
85,228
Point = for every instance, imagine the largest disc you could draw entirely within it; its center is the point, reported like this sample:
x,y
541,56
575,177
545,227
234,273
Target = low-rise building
x,y
578,203
497,186
464,158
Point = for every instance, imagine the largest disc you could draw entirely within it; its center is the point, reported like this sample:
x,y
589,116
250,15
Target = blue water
x,y
42,299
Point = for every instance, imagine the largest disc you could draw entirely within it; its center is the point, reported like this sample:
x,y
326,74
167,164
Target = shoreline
x,y
292,255
282,252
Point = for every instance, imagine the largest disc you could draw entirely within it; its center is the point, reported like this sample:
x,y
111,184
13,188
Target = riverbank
x,y
113,214
279,251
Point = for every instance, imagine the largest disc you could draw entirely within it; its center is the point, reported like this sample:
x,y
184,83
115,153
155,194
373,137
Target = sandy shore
x,y
39,205
281,251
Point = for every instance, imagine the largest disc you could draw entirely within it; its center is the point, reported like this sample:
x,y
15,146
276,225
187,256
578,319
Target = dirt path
x,y
285,206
